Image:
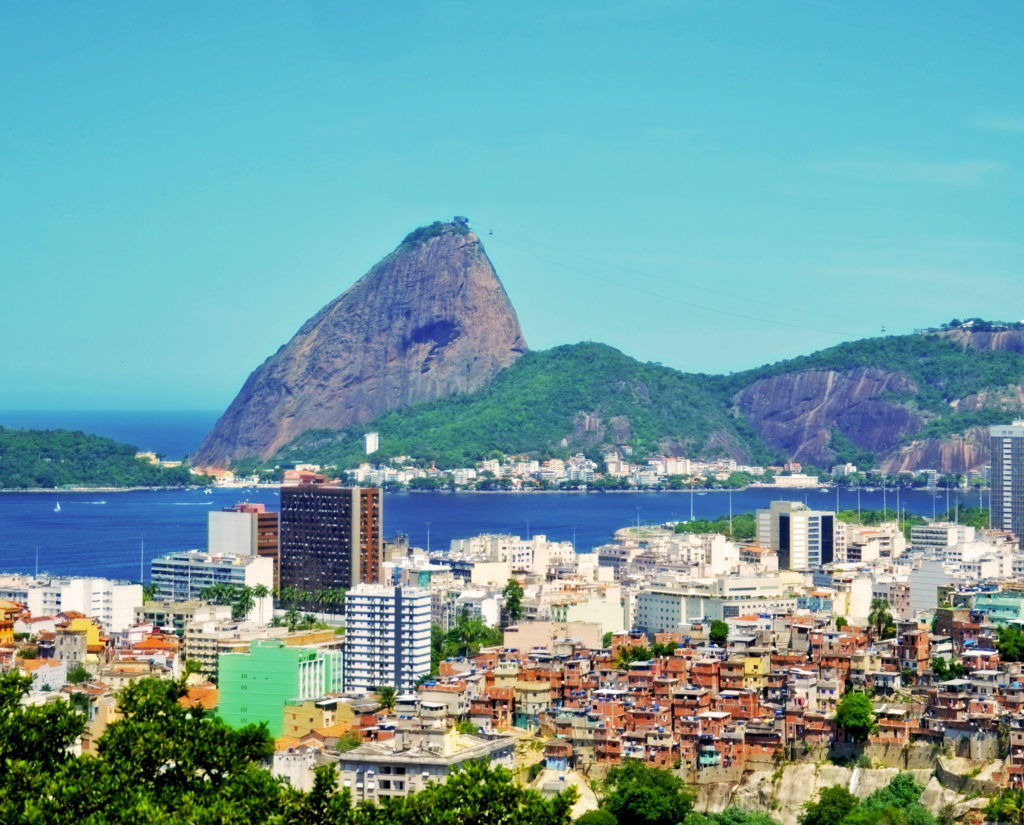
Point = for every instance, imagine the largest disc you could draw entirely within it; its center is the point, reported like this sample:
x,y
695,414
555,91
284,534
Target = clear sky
x,y
711,185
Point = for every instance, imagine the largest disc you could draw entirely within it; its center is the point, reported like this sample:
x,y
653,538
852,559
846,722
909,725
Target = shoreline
x,y
90,490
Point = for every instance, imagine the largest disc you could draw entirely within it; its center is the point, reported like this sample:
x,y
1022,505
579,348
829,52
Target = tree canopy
x,y
167,764
855,715
719,632
70,458
636,793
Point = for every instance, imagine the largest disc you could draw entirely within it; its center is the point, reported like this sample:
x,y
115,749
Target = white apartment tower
x,y
804,539
387,637
1008,478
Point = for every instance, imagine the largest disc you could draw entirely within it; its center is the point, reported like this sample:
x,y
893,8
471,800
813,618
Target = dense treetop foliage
x,y
162,763
897,802
855,715
640,795
538,404
70,458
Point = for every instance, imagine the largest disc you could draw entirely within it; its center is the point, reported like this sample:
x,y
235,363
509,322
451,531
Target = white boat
x,y
56,509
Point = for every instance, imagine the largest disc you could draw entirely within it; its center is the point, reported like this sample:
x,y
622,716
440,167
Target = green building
x,y
254,686
1001,607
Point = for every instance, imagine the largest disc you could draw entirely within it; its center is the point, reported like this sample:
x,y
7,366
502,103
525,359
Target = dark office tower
x,y
330,535
1008,478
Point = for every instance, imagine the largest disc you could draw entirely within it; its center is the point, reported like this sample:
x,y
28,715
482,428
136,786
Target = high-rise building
x,y
804,539
1008,478
184,575
387,636
245,530
330,535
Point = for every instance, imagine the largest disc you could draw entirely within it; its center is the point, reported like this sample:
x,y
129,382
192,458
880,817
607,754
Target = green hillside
x,y
536,406
67,458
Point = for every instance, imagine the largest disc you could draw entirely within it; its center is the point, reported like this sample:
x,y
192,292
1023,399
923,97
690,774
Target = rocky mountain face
x,y
797,412
801,413
430,320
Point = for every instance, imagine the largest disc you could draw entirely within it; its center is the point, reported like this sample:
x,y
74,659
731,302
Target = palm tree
x,y
288,596
387,695
243,602
260,592
338,599
879,617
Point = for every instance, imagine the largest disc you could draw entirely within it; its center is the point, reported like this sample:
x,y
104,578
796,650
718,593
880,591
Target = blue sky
x,y
711,185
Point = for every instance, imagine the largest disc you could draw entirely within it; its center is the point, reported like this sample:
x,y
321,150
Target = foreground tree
x,y
636,793
475,795
832,805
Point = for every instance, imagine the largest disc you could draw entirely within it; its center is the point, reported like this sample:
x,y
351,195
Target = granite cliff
x,y
430,320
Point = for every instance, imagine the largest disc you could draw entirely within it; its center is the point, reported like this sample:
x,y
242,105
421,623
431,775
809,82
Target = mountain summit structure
x,y
430,320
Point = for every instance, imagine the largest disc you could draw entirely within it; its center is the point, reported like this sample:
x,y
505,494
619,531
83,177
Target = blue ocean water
x,y
171,434
117,534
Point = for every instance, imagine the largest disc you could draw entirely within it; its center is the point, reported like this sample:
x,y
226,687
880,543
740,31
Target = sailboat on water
x,y
56,509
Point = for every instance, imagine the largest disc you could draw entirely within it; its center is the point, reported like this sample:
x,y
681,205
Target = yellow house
x,y
92,630
304,717
755,670
8,613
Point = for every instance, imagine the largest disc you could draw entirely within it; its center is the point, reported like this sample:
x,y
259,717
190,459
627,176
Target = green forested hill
x,y
67,458
535,406
587,396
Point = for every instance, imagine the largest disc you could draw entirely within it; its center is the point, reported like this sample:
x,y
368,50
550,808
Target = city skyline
x,y
184,190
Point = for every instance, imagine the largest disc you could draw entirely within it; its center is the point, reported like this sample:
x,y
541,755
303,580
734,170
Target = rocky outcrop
x,y
1012,340
795,413
430,320
954,454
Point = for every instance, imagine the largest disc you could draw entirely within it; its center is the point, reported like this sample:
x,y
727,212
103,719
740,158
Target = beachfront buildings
x,y
331,536
387,638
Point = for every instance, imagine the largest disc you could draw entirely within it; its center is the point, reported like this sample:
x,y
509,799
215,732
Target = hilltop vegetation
x,y
588,397
540,405
70,458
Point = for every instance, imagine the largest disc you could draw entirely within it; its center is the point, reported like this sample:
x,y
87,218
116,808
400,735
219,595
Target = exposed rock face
x,y
430,320
796,412
1012,340
954,454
